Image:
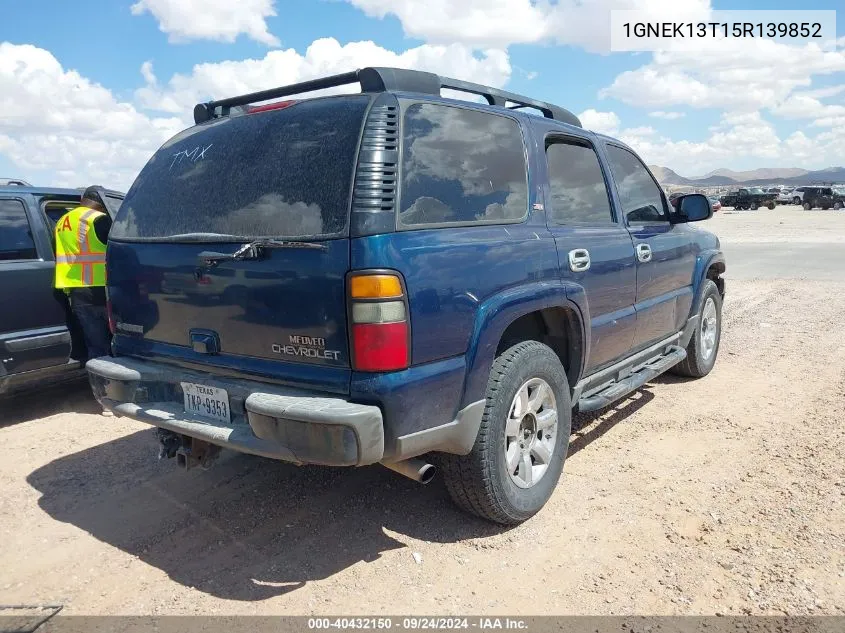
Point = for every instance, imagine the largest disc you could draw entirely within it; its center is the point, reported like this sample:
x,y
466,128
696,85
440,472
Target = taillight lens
x,y
379,314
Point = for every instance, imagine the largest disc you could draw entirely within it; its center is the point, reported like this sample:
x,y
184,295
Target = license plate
x,y
209,402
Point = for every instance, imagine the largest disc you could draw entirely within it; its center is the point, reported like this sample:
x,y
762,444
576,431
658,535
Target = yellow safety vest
x,y
80,255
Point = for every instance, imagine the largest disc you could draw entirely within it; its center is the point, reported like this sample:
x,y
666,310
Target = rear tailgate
x,y
283,174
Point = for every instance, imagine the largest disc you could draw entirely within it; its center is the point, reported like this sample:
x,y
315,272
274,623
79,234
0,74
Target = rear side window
x,y
279,173
577,187
641,198
461,166
55,209
15,235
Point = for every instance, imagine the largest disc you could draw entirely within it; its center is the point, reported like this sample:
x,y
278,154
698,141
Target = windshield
x,y
279,173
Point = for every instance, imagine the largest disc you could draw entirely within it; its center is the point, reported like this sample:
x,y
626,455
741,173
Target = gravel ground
x,y
722,495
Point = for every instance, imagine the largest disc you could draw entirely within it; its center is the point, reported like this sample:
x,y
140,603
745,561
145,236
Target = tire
x,y
807,206
482,483
701,356
754,206
796,200
837,205
771,206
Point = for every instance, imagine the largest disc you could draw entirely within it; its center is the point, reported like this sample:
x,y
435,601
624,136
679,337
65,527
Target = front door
x,y
594,249
665,252
33,317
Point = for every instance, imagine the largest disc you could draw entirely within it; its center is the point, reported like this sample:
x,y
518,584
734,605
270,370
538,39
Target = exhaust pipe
x,y
414,468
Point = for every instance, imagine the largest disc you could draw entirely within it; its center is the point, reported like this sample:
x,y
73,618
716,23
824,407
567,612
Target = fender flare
x,y
704,261
497,312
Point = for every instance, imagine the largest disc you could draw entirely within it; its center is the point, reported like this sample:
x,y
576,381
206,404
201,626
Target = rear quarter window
x,y
279,173
461,166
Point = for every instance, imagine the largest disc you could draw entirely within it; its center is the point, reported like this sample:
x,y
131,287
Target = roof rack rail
x,y
374,79
6,182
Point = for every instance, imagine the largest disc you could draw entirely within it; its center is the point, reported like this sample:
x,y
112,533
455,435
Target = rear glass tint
x,y
461,166
280,173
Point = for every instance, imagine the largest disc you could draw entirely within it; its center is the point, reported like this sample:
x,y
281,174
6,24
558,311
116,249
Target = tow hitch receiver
x,y
188,451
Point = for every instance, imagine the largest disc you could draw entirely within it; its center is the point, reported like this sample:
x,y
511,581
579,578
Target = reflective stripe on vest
x,y
80,255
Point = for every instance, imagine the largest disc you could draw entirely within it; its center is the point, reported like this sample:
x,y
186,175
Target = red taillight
x,y
278,105
379,331
112,325
380,346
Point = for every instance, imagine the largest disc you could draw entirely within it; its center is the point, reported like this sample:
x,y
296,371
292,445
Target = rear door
x,y
283,174
33,316
665,252
594,249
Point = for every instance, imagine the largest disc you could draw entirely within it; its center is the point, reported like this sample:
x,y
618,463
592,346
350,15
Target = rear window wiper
x,y
253,250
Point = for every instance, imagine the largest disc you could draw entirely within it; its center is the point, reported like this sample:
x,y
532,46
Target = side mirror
x,y
693,207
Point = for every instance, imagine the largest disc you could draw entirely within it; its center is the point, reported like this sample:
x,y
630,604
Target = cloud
x,y
500,23
56,121
804,105
666,115
602,122
739,74
323,57
220,20
738,136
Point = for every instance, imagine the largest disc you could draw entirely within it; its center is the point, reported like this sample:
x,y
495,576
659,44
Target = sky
x,y
89,89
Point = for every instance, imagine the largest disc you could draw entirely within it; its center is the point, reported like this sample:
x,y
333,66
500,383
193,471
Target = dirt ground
x,y
723,495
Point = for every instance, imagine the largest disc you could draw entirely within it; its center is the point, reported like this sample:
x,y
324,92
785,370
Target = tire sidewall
x,y
710,291
520,503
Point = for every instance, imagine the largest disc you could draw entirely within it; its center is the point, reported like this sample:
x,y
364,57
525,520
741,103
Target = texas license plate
x,y
209,402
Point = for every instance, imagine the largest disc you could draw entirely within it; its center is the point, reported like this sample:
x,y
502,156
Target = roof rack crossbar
x,y
381,80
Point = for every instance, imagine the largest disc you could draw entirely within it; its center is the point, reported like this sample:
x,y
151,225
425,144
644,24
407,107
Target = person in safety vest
x,y
81,236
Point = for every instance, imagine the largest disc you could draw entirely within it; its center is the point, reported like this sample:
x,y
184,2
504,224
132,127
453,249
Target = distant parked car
x,y
798,195
715,204
820,198
752,198
784,197
839,198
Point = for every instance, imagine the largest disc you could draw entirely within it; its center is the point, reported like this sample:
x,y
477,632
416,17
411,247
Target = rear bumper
x,y
267,420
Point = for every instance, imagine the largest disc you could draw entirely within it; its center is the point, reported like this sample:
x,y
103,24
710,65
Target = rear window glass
x,y
461,166
279,173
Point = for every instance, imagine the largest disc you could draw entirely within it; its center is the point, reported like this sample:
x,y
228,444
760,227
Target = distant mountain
x,y
766,173
713,180
829,174
765,176
666,176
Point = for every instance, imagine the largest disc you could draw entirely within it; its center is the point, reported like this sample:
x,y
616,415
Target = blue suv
x,y
400,278
40,342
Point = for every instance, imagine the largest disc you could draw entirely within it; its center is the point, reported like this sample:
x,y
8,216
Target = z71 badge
x,y
306,347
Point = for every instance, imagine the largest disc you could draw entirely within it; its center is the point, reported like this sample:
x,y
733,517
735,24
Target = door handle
x,y
579,260
644,252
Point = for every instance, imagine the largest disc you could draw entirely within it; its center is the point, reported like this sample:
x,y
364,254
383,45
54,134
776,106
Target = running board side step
x,y
609,393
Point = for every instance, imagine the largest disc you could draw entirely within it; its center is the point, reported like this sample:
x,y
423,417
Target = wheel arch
x,y
709,265
552,311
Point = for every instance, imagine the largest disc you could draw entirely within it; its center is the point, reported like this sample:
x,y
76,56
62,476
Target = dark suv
x,y
38,342
820,198
399,274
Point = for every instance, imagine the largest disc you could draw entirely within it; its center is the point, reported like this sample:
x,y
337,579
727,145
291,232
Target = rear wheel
x,y
754,206
807,206
837,205
518,456
771,206
704,344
